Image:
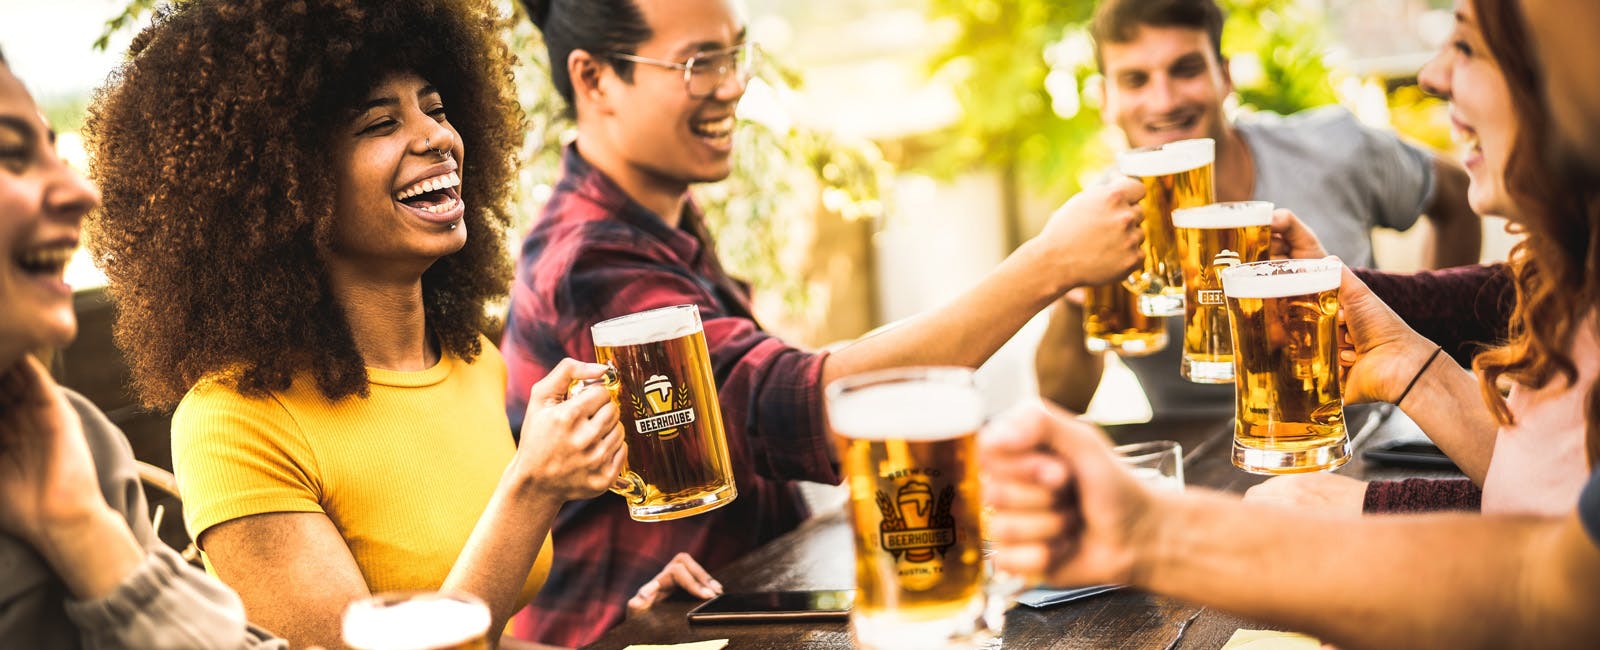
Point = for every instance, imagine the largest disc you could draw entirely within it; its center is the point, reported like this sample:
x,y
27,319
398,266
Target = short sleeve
x,y
1398,177
1589,507
235,456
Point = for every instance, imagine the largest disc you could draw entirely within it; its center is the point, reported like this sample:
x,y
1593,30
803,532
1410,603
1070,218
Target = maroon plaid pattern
x,y
597,254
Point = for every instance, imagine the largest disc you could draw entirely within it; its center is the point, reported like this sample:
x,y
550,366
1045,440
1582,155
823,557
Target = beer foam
x,y
1170,158
415,624
915,410
1280,278
663,324
1232,214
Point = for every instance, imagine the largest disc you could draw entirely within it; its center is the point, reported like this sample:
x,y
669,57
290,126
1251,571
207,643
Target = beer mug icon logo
x,y
914,526
665,409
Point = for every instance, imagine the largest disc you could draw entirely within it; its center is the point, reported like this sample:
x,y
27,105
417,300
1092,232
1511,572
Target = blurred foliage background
x,y
1023,72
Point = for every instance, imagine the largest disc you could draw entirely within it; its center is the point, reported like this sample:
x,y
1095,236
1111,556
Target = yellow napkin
x,y
715,644
1270,640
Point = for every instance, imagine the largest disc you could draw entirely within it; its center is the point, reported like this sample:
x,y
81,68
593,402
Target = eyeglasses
x,y
705,72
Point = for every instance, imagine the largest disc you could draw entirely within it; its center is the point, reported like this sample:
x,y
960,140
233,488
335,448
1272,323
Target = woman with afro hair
x,y
303,221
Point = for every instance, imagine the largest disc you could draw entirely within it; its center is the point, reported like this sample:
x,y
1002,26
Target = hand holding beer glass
x,y
1175,175
907,440
1211,238
1289,409
678,462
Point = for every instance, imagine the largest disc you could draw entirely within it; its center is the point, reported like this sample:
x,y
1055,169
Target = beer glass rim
x,y
941,374
1276,278
1225,214
1139,451
1168,158
381,600
648,326
839,392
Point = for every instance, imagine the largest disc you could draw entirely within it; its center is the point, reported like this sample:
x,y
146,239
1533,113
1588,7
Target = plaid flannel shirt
x,y
597,254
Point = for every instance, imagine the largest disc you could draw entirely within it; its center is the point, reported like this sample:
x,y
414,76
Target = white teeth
x,y
441,208
434,184
56,257
715,128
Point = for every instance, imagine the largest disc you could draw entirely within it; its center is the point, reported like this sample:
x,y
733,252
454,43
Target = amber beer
x,y
908,443
677,450
1211,238
1175,175
417,621
1288,405
1112,322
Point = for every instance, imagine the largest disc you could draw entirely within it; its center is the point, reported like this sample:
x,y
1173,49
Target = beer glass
x,y
1175,175
907,440
417,621
677,450
1289,411
1158,463
1211,238
1112,322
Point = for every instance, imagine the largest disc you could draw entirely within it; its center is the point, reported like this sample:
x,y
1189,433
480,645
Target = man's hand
x,y
681,573
1320,490
1292,239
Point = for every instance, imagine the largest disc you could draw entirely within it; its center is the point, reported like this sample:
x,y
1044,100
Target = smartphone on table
x,y
813,605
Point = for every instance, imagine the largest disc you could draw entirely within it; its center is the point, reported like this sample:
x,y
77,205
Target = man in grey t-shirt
x,y
1165,80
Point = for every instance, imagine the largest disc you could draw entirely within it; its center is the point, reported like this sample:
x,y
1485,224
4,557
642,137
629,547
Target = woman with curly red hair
x,y
303,218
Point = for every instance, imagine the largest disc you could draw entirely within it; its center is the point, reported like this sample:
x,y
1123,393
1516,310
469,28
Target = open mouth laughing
x,y
436,198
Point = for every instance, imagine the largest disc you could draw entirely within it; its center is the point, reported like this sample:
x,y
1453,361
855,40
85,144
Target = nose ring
x,y
428,143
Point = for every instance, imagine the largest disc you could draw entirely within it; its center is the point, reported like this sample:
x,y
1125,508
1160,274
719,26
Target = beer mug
x,y
1289,411
417,621
907,441
661,380
1112,322
1175,175
1211,238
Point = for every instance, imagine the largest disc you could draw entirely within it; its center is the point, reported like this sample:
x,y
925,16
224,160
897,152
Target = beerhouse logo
x,y
665,409
1223,260
912,526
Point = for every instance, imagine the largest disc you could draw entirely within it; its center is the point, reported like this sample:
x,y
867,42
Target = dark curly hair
x,y
211,146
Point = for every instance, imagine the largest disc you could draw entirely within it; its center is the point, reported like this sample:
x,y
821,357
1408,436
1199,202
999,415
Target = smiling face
x,y
42,203
1165,84
397,173
1481,115
651,123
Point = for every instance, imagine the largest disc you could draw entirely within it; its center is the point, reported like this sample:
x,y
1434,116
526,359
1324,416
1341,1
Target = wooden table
x,y
818,555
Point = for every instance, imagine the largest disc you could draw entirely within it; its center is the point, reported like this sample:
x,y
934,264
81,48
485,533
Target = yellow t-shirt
x,y
404,474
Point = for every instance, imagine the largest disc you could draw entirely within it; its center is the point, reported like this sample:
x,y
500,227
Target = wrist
x,y
1150,536
1422,359
1053,274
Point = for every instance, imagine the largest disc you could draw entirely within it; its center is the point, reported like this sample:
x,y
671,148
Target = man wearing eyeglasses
x,y
654,85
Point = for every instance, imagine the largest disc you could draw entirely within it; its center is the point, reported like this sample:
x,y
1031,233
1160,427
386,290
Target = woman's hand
x,y
682,572
1378,352
1094,237
48,482
574,447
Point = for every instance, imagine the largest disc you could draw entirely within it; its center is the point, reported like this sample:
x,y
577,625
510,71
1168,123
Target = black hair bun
x,y
538,10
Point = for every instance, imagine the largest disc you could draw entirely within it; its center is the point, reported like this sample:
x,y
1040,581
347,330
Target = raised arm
x,y
1067,512
1383,356
1068,373
1457,230
1092,238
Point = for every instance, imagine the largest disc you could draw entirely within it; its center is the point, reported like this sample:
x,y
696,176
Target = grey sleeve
x,y
1398,176
166,603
